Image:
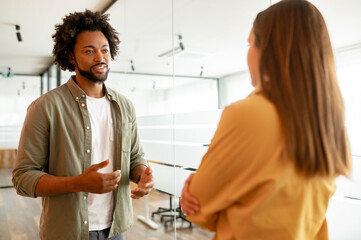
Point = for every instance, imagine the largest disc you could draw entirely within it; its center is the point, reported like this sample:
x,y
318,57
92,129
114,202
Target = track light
x,y
8,74
18,34
175,51
181,46
170,53
131,65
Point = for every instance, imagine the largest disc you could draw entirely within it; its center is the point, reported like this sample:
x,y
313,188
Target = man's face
x,y
91,56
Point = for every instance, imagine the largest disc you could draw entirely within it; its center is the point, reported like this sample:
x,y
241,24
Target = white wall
x,y
153,95
349,77
344,212
234,87
16,94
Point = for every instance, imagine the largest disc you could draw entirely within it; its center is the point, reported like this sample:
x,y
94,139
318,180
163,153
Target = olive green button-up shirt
x,y
56,139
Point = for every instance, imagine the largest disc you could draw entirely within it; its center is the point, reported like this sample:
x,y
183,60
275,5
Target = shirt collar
x,y
108,93
78,93
75,90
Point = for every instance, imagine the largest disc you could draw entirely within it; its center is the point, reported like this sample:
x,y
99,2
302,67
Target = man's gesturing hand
x,y
95,182
145,184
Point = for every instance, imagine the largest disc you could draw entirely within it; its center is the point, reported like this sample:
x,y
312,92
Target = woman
x,y
270,169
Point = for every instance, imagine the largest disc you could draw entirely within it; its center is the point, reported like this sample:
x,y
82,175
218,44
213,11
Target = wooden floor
x,y
19,217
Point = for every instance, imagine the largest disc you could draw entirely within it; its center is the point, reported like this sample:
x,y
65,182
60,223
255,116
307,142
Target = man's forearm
x,y
89,181
49,185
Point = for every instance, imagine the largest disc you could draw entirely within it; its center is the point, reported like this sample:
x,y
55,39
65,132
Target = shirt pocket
x,y
126,136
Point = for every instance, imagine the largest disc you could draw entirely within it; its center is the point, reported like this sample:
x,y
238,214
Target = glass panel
x,y
344,207
211,50
145,30
19,92
211,37
343,214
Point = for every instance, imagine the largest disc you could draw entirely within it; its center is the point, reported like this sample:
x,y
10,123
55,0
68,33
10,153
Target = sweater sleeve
x,y
234,163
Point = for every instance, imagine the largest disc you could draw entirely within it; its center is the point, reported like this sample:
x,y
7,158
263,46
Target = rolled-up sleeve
x,y
32,153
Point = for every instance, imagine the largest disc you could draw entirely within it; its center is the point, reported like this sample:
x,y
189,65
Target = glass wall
x,y
15,96
145,30
209,44
16,93
180,63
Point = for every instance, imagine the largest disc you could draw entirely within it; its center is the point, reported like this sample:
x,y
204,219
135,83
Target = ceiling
x,y
214,32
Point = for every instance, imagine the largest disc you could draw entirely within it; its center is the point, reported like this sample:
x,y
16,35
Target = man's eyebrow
x,y
89,46
92,46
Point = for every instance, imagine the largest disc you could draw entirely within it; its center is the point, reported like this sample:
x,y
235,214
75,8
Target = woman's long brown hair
x,y
297,73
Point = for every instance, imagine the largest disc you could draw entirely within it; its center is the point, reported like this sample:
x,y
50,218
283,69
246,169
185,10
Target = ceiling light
x,y
175,51
131,65
172,52
18,34
181,46
7,74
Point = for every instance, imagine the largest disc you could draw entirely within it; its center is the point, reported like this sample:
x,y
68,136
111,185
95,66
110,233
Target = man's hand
x,y
145,184
95,182
90,181
189,204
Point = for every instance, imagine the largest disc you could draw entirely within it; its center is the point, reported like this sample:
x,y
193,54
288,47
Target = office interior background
x,y
180,63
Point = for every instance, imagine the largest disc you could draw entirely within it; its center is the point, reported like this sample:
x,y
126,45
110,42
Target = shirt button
x,y
83,105
87,127
85,222
83,96
84,197
88,150
77,98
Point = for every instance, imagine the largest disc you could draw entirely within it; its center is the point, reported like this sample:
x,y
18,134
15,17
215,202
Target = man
x,y
78,137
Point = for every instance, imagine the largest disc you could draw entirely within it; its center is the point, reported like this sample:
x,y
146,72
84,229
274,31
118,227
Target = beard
x,y
92,77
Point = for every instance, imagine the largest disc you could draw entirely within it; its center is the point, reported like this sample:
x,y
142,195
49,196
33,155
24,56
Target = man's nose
x,y
98,56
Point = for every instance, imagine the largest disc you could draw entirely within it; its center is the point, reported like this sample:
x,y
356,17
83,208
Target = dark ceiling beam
x,y
164,75
108,6
25,74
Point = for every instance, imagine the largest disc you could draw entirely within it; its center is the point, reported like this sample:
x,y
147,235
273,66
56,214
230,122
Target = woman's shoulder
x,y
255,106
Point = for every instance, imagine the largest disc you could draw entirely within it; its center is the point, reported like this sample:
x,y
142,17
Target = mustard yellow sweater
x,y
246,186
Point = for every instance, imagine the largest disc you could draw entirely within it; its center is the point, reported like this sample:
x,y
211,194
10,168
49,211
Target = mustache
x,y
102,63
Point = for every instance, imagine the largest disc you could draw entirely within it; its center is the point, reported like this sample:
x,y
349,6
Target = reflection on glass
x,y
181,63
211,41
145,29
19,92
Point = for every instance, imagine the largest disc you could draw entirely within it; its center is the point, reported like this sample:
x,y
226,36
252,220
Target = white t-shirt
x,y
100,206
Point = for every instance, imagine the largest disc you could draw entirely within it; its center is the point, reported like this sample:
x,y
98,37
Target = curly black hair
x,y
75,23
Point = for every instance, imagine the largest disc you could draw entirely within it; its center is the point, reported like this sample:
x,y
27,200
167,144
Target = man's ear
x,y
72,59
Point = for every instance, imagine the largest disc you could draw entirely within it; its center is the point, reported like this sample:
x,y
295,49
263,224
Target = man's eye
x,y
89,51
105,50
